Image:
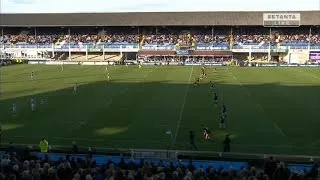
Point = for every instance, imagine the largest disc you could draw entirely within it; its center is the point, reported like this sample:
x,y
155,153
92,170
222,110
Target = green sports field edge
x,y
270,110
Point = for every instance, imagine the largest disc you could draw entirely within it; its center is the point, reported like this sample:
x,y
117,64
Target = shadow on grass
x,y
262,118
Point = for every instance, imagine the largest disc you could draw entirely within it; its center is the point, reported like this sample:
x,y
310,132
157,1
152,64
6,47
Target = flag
x,y
178,46
141,40
231,39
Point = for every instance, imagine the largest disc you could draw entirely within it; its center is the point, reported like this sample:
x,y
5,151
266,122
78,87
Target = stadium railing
x,y
199,159
172,154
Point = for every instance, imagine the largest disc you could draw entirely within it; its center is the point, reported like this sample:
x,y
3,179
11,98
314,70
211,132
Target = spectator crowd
x,y
25,166
164,35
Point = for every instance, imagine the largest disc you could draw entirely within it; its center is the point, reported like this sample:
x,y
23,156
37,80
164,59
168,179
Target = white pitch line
x,y
312,75
235,78
260,108
307,73
182,106
279,129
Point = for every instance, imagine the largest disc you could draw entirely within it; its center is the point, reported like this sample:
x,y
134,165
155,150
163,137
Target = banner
x,y
280,50
250,50
314,56
281,19
61,50
288,65
71,49
204,64
298,56
94,49
212,48
157,47
149,63
184,52
309,65
268,65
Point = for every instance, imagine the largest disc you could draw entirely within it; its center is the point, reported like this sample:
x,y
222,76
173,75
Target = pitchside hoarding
x,y
314,56
298,56
281,19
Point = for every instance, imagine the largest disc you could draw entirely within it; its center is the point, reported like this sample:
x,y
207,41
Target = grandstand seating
x,y
216,36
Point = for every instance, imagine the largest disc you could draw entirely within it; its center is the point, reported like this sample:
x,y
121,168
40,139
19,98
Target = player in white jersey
x,y
139,66
108,76
61,67
33,104
32,75
14,108
127,65
107,68
75,89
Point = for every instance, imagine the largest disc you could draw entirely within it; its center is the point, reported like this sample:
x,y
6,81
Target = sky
x,y
82,6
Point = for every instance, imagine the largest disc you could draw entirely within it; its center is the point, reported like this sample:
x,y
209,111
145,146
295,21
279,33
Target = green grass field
x,y
270,110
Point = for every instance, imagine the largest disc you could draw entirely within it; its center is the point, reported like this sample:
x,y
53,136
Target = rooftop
x,y
148,19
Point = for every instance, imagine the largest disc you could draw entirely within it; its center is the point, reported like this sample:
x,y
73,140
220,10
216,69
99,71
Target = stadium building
x,y
212,38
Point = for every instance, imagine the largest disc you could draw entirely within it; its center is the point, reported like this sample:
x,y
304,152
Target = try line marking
x,y
307,73
279,129
182,106
258,106
235,78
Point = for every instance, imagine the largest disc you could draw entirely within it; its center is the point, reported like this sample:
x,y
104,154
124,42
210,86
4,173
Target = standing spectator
x,y
281,173
44,145
314,171
75,148
192,140
226,143
270,166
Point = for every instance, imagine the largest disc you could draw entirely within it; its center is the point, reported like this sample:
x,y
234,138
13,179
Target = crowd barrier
x,y
198,158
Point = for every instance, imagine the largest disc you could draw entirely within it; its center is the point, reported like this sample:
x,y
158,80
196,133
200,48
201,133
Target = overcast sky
x,y
70,6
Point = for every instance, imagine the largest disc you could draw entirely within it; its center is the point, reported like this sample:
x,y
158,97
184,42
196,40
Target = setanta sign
x,y
281,19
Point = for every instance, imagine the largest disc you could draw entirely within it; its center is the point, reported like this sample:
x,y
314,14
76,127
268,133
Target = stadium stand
x,y
215,36
27,164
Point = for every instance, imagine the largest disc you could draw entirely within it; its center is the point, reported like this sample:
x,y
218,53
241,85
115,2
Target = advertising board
x,y
281,19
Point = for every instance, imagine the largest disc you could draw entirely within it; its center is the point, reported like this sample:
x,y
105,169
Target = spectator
x,y
270,166
75,148
84,170
215,36
44,145
226,143
314,171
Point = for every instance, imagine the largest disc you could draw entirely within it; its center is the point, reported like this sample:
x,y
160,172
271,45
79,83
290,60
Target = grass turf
x,y
270,110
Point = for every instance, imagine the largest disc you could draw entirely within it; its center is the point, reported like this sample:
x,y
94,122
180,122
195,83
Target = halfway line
x,y
279,130
182,106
